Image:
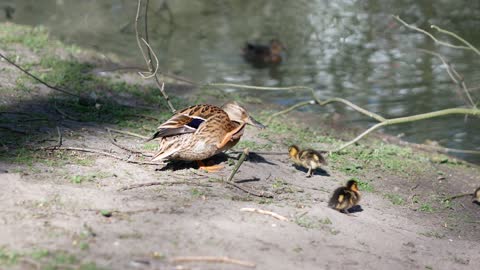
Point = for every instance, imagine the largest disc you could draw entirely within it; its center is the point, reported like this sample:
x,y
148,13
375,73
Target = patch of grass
x,y
8,257
39,253
150,146
433,234
395,199
252,145
197,193
281,186
364,185
426,207
35,38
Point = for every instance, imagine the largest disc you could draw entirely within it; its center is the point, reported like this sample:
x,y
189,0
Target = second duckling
x,y
346,197
308,158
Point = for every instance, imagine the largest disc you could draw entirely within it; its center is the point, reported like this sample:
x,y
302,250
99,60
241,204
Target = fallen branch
x,y
211,259
407,119
264,212
163,183
383,121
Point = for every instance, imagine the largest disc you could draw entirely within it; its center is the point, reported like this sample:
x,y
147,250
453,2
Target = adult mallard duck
x,y
262,55
202,131
309,159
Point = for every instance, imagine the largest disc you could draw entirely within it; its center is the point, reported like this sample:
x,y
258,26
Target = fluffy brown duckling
x,y
308,158
476,196
261,55
346,197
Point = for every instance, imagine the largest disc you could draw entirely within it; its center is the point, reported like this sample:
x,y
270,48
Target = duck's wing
x,y
177,125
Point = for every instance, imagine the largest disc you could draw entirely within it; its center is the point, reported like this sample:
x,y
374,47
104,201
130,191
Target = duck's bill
x,y
255,123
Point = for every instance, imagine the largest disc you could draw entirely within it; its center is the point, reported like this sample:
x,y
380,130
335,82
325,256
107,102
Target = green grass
x,y
395,199
364,185
426,207
46,259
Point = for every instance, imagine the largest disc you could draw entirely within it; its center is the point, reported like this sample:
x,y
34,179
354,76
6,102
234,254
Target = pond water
x,y
349,49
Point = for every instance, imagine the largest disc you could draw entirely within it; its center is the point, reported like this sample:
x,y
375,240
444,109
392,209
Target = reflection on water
x,y
349,49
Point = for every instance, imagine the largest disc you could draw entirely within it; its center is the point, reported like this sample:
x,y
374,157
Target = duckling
x,y
261,55
308,158
346,197
476,196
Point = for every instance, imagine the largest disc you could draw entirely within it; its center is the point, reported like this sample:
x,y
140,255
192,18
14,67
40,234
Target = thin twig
x,y
152,73
162,183
443,43
134,151
96,151
148,61
64,114
249,191
265,212
38,79
211,259
60,138
13,129
457,196
469,45
454,75
129,133
300,104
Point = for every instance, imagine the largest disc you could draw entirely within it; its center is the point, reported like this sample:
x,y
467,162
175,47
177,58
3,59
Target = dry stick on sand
x,y
99,152
457,196
211,259
134,151
163,183
265,212
128,133
246,190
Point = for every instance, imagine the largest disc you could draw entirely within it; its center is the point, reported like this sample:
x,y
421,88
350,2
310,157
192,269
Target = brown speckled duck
x,y
202,131
263,55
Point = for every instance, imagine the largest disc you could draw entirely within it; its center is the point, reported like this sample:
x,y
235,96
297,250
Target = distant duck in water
x,y
261,55
346,197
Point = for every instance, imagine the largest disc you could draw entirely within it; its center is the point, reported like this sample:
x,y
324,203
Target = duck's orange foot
x,y
209,168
